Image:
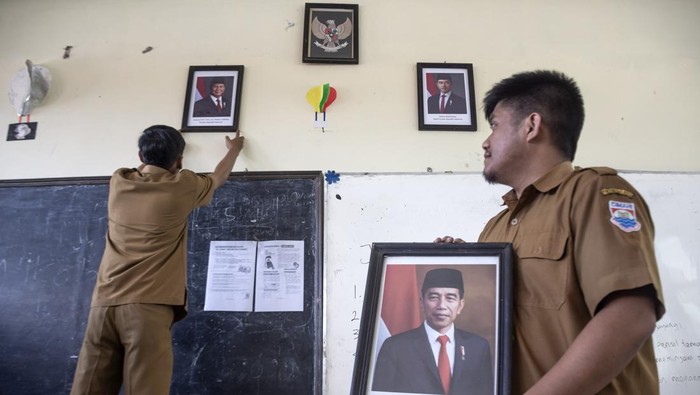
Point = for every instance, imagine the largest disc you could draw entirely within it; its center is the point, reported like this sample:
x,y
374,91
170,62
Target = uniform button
x,y
514,221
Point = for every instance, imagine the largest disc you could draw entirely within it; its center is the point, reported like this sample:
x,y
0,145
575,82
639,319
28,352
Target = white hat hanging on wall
x,y
28,88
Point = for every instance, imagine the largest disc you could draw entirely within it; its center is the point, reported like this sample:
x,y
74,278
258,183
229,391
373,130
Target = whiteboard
x,y
366,208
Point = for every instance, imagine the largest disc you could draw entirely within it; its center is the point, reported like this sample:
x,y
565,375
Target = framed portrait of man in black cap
x,y
436,319
446,97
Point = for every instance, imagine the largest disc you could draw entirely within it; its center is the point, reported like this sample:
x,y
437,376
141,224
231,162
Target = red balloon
x,y
331,98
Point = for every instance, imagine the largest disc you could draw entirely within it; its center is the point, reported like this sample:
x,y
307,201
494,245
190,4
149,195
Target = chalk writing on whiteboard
x,y
355,317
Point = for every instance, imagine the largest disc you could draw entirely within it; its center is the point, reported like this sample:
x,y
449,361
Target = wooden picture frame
x,y
202,113
397,309
455,112
330,33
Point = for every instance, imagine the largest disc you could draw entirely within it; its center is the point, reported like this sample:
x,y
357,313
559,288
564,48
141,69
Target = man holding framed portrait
x,y
587,286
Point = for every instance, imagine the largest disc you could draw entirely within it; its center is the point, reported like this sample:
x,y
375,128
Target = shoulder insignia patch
x,y
616,191
623,216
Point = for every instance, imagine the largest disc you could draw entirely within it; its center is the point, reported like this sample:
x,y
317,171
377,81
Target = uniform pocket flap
x,y
544,245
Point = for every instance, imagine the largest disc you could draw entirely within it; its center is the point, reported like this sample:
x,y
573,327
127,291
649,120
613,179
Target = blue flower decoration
x,y
332,176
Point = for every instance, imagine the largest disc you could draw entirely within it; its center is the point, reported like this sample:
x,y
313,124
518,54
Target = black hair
x,y
439,77
552,94
160,146
216,80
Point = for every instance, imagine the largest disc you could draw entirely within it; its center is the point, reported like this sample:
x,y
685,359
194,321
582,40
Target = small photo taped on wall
x,y
21,131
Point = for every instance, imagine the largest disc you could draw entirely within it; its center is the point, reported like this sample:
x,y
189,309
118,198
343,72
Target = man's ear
x,y
533,125
177,166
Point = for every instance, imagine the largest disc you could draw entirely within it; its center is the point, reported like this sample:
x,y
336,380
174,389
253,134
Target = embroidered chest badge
x,y
624,216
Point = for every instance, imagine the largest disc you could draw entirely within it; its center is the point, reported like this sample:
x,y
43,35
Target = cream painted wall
x,y
636,61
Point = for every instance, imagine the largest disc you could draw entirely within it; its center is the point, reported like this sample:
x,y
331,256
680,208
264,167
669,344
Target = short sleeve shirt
x,y
578,235
146,245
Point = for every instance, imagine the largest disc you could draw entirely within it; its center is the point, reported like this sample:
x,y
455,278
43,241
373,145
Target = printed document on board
x,y
250,276
230,276
280,276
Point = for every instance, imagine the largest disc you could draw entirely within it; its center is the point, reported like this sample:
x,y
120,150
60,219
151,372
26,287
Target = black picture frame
x,y
395,274
459,112
341,46
200,113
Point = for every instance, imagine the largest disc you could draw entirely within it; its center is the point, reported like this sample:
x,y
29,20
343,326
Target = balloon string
x,y
22,116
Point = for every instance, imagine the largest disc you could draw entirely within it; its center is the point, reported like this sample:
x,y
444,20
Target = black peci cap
x,y
443,278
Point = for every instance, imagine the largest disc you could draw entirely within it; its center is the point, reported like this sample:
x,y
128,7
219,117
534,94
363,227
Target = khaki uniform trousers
x,y
130,343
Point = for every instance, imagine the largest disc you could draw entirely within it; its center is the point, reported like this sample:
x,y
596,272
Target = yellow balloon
x,y
314,96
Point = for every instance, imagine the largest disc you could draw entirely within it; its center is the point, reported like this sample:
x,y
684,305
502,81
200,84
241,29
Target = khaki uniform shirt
x,y
145,257
578,235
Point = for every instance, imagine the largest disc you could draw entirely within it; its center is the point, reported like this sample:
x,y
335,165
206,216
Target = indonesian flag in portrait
x,y
202,90
430,84
400,304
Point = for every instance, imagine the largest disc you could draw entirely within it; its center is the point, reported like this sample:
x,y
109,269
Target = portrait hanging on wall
x,y
446,97
418,292
330,33
212,99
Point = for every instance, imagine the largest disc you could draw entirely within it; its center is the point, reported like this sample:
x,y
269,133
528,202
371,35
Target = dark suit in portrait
x,y
454,104
216,103
406,364
207,108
